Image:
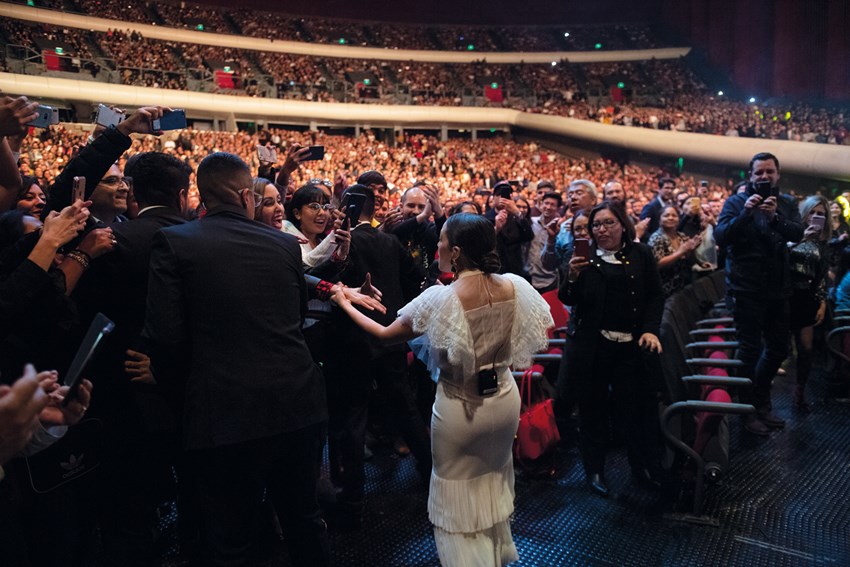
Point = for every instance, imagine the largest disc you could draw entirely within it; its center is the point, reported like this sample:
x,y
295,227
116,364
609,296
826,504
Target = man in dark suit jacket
x,y
228,295
140,423
513,230
654,208
359,360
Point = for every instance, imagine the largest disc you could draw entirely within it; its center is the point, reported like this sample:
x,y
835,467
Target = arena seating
x,y
694,420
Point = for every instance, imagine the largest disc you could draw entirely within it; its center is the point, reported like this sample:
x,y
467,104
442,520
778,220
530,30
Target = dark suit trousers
x,y
231,480
349,391
617,384
762,328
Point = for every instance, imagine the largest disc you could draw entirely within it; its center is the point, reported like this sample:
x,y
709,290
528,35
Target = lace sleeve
x,y
418,313
437,315
532,320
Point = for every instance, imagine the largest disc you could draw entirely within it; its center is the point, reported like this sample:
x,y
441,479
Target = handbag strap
x,y
525,388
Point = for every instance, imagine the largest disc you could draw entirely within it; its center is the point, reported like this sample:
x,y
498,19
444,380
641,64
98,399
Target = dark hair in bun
x,y
476,237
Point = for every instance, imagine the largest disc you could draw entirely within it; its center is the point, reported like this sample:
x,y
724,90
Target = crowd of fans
x,y
457,166
540,203
277,25
659,94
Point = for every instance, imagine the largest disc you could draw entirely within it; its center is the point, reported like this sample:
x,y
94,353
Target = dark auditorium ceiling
x,y
465,11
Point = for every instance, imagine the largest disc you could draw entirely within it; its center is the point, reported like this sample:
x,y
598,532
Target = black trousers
x,y
617,387
230,484
136,475
351,380
762,327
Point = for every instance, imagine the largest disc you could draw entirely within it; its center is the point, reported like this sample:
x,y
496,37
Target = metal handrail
x,y
678,444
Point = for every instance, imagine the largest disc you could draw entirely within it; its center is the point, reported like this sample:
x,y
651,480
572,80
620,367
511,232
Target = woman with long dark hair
x,y
476,328
617,303
674,251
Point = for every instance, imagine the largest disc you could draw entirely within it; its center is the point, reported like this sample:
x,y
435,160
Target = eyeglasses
x,y
319,207
317,181
115,181
580,229
607,223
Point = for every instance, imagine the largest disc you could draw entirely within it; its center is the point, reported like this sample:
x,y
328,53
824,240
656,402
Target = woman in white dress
x,y
473,330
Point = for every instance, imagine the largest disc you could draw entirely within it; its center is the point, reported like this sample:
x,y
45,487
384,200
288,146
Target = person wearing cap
x,y
543,187
512,230
375,180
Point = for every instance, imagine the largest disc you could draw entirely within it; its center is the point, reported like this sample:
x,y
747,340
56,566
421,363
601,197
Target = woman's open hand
x,y
650,342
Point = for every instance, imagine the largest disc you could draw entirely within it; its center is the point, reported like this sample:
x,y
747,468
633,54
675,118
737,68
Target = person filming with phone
x,y
512,230
615,291
754,227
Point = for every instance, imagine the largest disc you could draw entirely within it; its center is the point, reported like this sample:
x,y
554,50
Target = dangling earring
x,y
454,265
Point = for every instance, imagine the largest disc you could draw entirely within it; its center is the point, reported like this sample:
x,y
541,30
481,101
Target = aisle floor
x,y
784,502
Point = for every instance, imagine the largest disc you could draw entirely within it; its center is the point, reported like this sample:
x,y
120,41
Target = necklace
x,y
468,273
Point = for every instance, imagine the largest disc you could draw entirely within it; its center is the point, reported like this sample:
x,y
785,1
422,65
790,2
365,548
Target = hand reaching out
x,y
20,405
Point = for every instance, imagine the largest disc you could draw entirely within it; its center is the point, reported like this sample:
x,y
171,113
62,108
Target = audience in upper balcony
x,y
657,94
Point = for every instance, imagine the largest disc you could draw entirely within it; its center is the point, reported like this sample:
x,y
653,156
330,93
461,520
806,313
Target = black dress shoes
x,y
754,425
771,420
646,479
596,482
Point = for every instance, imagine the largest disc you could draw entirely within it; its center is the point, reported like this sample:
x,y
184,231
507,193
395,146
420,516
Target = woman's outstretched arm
x,y
397,332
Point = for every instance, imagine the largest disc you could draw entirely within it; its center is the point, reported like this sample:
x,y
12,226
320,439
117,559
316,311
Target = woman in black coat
x,y
617,305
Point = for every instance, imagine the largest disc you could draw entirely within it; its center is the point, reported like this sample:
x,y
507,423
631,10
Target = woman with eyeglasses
x,y
617,303
310,216
324,247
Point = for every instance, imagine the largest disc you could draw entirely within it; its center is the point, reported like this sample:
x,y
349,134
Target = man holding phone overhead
x,y
105,184
512,229
754,227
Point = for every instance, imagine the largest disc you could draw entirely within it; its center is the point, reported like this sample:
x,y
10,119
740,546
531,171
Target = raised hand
x,y
141,121
15,113
61,227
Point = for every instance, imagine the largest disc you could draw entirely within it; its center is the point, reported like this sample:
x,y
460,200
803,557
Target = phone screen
x,y
99,328
174,120
581,249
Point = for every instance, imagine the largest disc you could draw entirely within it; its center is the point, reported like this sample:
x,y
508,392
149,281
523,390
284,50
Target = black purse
x,y
74,456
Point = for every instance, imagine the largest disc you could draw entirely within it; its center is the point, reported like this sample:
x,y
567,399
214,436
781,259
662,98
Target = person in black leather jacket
x,y
754,231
